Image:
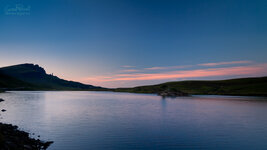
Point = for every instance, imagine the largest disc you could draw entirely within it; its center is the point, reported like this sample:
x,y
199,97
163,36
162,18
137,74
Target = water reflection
x,y
163,103
108,120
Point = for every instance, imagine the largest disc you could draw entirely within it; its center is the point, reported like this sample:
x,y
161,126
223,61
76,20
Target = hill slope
x,y
8,82
37,78
243,86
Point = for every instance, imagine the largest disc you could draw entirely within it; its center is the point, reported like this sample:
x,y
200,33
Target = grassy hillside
x,y
243,86
7,82
35,77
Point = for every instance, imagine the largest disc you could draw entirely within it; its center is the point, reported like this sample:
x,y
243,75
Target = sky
x,y
127,43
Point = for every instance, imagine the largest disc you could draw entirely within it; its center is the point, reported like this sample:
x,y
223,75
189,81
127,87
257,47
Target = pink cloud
x,y
226,63
155,68
252,70
206,64
130,70
165,68
128,66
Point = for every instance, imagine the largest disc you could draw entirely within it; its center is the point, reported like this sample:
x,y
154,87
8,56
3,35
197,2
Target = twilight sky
x,y
124,43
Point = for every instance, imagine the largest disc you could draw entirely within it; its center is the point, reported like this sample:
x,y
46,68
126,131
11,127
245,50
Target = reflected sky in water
x,y
107,120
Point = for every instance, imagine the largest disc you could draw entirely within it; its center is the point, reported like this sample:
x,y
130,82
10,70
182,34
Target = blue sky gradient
x,y
81,40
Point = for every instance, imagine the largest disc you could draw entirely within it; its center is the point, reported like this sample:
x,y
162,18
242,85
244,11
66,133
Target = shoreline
x,y
11,137
137,92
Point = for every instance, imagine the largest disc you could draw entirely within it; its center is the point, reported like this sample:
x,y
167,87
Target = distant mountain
x,y
242,86
34,77
30,76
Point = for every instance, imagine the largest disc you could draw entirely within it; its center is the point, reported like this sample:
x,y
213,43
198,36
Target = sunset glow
x,y
128,43
232,71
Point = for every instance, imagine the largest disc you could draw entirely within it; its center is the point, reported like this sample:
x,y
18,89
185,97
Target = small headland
x,y
172,93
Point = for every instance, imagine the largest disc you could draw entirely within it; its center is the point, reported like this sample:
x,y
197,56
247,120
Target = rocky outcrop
x,y
172,93
13,139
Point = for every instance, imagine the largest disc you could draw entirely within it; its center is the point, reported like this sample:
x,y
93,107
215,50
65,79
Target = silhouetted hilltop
x,y
35,77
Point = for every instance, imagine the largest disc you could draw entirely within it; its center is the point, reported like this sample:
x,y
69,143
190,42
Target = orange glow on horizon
x,y
252,70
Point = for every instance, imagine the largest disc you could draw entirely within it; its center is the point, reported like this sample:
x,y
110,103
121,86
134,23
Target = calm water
x,y
106,120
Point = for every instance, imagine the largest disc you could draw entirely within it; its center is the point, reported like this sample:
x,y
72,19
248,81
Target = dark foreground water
x,y
106,120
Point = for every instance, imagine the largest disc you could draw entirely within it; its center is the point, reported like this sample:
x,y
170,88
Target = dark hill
x,y
37,77
8,82
243,86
